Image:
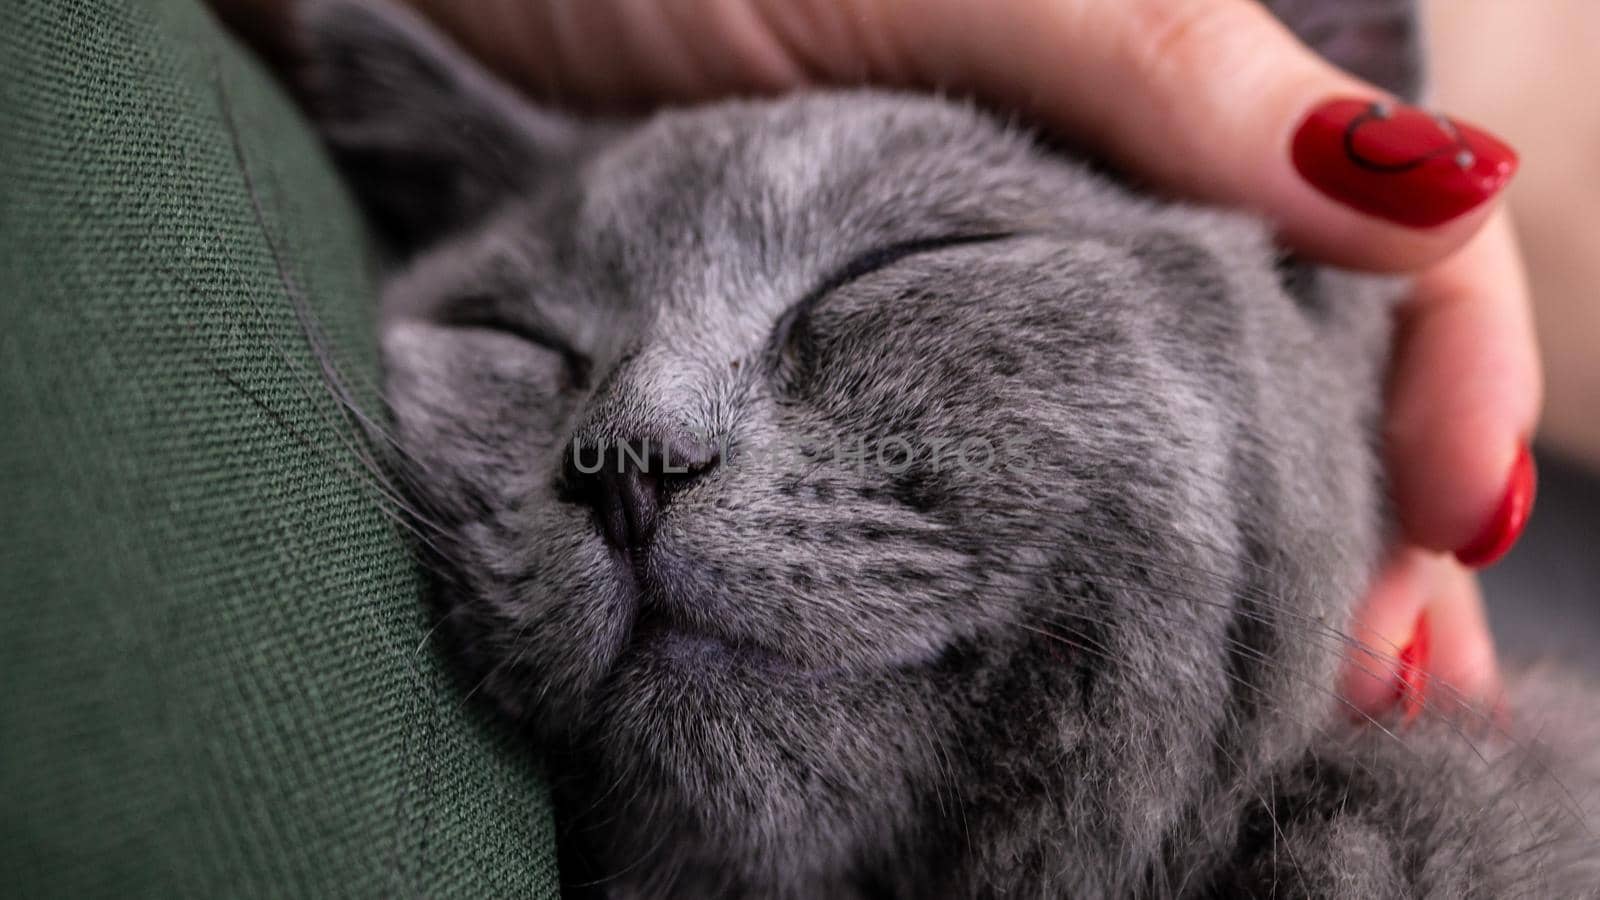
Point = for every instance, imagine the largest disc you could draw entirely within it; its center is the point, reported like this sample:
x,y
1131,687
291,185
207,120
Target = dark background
x,y
1544,597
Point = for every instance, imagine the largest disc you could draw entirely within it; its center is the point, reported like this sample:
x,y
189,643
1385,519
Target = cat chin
x,y
690,651
681,624
661,644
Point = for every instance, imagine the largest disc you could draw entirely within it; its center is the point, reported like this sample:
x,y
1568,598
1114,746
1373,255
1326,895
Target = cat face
x,y
795,462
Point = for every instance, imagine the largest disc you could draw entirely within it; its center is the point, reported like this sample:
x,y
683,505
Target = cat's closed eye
x,y
789,335
487,313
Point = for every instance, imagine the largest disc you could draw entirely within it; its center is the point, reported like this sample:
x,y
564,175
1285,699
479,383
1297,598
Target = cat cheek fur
x,y
1094,666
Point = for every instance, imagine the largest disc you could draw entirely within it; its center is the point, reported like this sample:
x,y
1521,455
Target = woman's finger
x,y
1384,631
1420,640
1462,665
1464,397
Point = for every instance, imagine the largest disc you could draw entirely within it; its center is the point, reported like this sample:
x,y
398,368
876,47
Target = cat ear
x,y
1378,40
428,139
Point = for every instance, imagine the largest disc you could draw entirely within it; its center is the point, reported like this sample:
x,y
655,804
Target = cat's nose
x,y
630,482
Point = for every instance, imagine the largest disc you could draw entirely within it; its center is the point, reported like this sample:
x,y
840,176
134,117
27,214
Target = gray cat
x,y
853,497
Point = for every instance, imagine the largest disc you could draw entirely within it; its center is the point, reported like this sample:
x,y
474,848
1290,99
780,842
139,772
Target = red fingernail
x,y
1398,162
1505,526
1411,682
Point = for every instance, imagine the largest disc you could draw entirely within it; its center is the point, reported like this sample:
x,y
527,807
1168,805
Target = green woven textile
x,y
214,674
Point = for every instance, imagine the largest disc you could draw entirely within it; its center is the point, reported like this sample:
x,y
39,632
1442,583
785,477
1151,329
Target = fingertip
x,y
1384,625
1420,641
1463,664
1324,231
1398,163
1505,525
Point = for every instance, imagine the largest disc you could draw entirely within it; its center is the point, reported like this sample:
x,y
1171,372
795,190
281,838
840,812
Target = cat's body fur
x,y
1095,666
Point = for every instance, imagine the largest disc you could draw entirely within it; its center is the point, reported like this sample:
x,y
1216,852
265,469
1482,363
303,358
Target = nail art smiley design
x,y
1398,162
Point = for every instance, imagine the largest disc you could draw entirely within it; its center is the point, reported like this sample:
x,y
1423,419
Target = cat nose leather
x,y
630,482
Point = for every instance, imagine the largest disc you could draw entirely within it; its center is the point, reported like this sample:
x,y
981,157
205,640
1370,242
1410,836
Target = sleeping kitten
x,y
855,499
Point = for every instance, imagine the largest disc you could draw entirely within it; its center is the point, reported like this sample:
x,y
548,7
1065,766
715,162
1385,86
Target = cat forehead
x,y
841,162
750,205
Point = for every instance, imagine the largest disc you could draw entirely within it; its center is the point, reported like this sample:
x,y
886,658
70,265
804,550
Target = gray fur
x,y
1102,672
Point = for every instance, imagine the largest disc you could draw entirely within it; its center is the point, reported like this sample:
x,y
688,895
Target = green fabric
x,y
214,672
